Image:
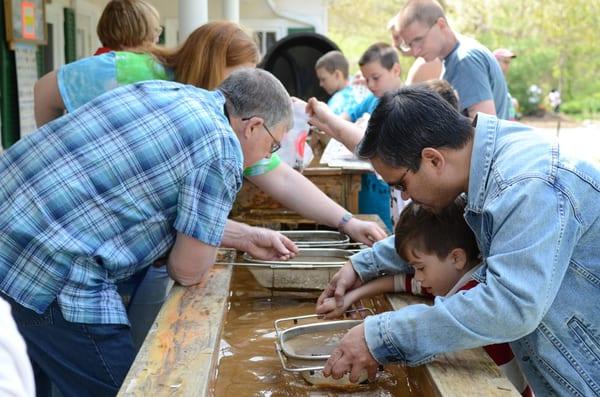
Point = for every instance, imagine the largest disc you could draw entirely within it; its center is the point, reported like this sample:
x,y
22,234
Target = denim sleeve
x,y
532,230
379,261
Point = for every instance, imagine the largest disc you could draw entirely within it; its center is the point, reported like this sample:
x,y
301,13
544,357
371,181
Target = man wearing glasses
x,y
468,66
275,144
534,210
142,171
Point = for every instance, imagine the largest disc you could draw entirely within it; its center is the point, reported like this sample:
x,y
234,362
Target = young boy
x,y
127,25
381,69
442,250
332,71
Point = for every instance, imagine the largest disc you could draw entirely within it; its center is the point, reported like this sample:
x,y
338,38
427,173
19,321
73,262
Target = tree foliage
x,y
556,40
355,25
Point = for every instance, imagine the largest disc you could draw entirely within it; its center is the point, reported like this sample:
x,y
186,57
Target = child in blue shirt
x,y
332,71
380,67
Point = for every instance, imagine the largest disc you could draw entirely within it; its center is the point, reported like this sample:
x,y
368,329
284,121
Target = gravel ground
x,y
583,137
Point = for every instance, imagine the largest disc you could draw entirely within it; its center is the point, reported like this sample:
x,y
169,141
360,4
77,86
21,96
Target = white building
x,y
72,35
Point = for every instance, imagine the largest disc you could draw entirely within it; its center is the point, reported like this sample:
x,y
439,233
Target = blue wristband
x,y
345,219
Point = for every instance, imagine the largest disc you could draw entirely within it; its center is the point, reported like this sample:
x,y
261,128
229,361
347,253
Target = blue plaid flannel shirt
x,y
93,197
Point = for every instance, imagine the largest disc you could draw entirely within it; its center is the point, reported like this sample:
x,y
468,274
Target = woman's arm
x,y
298,193
348,133
47,101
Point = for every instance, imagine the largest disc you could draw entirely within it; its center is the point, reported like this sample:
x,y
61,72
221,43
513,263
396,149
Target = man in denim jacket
x,y
535,211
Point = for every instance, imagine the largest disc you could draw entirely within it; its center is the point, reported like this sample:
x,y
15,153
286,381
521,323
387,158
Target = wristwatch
x,y
345,219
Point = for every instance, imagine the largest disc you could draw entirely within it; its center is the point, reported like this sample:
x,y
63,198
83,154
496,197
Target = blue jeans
x,y
144,294
80,359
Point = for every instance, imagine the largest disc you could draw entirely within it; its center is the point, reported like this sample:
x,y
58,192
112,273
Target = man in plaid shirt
x,y
101,193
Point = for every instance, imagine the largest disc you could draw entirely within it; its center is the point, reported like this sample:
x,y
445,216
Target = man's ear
x,y
251,126
433,157
458,256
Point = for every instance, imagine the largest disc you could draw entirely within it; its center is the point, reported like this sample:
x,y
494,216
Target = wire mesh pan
x,y
317,238
311,269
310,257
305,348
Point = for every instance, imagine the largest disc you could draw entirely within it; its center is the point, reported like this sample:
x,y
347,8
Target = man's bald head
x,y
426,12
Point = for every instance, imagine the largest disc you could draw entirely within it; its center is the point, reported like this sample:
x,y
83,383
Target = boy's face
x,y
330,82
379,79
437,276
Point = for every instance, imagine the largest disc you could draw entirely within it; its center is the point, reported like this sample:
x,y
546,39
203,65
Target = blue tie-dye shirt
x,y
85,79
368,105
342,101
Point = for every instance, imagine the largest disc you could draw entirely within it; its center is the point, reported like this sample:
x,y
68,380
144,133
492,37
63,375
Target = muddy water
x,y
249,366
315,343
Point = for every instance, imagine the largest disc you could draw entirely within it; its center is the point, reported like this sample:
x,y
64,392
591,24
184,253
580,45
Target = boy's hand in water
x,y
328,308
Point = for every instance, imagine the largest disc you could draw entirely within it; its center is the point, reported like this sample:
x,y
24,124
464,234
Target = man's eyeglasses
x,y
400,184
417,42
276,145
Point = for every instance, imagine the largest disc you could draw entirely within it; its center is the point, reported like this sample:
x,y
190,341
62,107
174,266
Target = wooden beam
x,y
180,353
462,373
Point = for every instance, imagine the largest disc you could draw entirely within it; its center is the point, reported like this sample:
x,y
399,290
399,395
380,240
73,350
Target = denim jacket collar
x,y
484,142
468,276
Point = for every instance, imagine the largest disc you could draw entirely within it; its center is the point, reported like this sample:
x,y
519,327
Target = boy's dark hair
x,y
332,61
436,233
383,53
408,120
443,88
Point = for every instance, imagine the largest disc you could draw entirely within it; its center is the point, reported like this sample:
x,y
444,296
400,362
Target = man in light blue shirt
x,y
535,212
469,66
95,196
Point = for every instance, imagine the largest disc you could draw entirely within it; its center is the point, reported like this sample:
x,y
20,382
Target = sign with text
x,y
25,21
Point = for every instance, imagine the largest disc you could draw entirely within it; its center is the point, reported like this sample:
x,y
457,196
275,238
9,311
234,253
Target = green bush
x,y
534,65
587,105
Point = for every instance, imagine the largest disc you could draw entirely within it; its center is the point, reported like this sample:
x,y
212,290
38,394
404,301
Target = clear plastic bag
x,y
295,151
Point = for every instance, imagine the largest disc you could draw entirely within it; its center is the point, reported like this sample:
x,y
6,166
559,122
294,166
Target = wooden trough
x,y
180,355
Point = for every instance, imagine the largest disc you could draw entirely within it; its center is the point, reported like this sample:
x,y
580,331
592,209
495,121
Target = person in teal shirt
x,y
468,65
332,71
